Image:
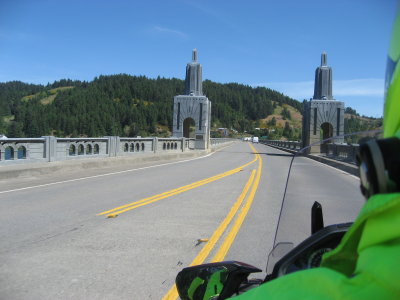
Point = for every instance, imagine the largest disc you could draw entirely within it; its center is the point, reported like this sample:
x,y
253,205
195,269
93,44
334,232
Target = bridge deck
x,y
55,245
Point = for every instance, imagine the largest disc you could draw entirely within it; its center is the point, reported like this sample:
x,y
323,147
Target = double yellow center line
x,y
127,207
252,183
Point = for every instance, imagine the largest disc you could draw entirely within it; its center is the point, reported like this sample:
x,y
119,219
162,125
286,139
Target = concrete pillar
x,y
113,144
155,144
183,144
50,148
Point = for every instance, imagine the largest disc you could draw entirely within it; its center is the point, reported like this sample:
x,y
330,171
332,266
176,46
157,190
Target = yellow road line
x,y
223,250
172,294
145,201
169,193
205,251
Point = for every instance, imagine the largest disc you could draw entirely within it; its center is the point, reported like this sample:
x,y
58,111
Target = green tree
x,y
15,130
287,131
286,114
272,122
110,104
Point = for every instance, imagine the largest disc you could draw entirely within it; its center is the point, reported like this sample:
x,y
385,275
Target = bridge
x,y
124,230
117,218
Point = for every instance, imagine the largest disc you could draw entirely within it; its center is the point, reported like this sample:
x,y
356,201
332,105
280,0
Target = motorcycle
x,y
333,201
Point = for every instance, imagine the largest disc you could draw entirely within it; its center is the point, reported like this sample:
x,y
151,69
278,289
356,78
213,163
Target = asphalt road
x,y
55,245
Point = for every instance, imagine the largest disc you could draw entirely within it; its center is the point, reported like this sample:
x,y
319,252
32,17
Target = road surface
x,y
124,233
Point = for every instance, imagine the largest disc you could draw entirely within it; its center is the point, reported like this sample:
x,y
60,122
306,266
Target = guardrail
x,y
50,148
335,151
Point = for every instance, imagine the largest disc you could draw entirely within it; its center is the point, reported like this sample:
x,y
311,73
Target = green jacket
x,y
365,265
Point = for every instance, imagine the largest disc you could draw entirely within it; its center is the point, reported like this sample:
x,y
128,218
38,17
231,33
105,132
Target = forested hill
x,y
124,105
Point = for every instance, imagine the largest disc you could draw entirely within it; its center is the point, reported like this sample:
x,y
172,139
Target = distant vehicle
x,y
255,139
3,137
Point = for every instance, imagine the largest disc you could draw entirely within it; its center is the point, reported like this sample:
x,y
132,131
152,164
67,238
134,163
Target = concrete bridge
x,y
123,229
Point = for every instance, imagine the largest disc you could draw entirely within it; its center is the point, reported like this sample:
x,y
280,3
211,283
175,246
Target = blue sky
x,y
270,43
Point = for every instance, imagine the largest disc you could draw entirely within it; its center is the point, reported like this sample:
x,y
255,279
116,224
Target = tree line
x,y
124,105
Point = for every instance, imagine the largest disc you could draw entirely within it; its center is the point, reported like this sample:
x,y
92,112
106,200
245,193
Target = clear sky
x,y
276,44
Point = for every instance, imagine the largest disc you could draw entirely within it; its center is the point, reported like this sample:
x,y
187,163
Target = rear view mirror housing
x,y
212,281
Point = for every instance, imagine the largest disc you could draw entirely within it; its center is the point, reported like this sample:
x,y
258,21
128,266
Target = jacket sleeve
x,y
320,283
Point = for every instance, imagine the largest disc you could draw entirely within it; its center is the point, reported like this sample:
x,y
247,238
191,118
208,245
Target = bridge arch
x,y
326,133
326,130
96,149
189,128
72,150
21,152
89,149
81,149
9,153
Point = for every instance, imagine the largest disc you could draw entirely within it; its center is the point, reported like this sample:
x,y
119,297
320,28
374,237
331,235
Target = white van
x,y
255,139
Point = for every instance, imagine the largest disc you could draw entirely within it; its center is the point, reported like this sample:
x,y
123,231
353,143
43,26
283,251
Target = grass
x,y
8,119
47,97
295,121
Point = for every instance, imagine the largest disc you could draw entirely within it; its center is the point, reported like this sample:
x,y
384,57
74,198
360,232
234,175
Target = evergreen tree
x,y
131,105
286,114
272,122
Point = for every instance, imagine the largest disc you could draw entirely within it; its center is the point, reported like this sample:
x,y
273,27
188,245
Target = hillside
x,y
285,123
135,105
46,96
353,122
124,105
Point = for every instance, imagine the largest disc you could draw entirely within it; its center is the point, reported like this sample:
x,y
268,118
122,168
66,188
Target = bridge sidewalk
x,y
344,166
76,165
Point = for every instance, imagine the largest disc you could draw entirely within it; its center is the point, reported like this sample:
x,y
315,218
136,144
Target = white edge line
x,y
102,175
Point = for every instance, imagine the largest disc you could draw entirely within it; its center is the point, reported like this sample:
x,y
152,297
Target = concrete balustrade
x,y
50,148
215,142
346,152
336,151
283,144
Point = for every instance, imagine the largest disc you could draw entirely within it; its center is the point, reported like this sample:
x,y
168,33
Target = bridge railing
x,y
291,145
50,148
22,149
335,151
216,142
342,151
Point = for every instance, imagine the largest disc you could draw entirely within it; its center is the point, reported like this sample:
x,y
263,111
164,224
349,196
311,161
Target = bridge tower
x,y
323,115
192,111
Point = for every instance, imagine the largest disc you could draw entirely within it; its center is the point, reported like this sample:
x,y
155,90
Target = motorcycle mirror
x,y
317,218
212,281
